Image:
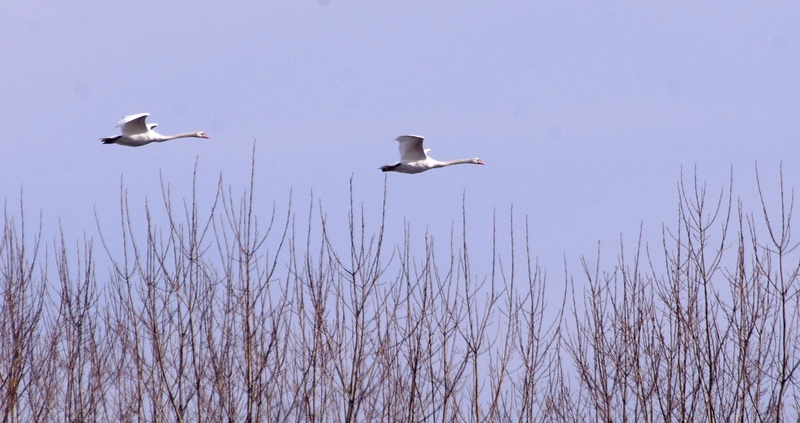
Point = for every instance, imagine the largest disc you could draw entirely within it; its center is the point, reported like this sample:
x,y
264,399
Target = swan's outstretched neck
x,y
461,161
183,135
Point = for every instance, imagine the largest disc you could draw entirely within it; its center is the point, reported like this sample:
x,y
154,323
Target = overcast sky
x,y
584,112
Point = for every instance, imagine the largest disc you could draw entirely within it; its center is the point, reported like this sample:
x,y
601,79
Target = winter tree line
x,y
219,314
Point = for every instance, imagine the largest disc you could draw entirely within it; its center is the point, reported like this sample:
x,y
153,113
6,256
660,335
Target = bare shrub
x,y
712,339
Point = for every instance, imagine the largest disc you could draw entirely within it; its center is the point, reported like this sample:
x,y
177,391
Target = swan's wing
x,y
411,148
133,124
152,126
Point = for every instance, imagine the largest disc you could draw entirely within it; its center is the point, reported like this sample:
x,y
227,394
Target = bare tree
x,y
21,317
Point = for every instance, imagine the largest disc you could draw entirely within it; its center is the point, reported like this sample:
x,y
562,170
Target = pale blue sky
x,y
584,112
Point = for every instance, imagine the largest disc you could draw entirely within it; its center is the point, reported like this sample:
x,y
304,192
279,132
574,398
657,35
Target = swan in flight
x,y
136,133
415,159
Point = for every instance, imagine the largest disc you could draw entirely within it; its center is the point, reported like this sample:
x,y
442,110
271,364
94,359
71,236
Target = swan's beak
x,y
203,135
480,162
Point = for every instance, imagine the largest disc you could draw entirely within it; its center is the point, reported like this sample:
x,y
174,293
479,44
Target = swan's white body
x,y
414,158
136,133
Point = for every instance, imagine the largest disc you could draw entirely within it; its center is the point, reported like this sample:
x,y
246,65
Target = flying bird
x,y
415,159
136,133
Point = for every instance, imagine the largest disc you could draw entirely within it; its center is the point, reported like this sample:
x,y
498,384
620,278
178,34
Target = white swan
x,y
136,133
414,158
